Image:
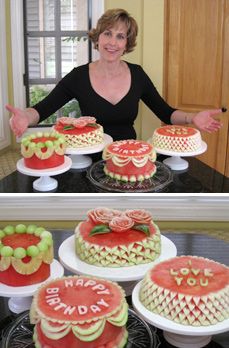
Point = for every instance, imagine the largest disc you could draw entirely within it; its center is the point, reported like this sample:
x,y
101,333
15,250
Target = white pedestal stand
x,y
79,157
45,183
21,296
175,162
126,276
181,336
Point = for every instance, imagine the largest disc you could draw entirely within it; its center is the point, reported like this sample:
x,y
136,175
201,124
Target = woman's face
x,y
112,42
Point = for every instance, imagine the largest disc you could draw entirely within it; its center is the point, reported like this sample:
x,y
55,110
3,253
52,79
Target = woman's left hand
x,y
204,120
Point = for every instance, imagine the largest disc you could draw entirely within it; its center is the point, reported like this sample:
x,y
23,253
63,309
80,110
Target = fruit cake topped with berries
x,y
80,312
188,290
43,150
129,160
114,238
26,253
80,132
176,138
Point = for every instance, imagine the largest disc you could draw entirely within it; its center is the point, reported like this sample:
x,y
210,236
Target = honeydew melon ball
x,y
40,145
20,228
2,234
32,145
19,253
7,251
61,140
32,136
39,134
48,241
46,234
1,246
32,251
31,229
46,134
42,246
38,231
9,230
49,143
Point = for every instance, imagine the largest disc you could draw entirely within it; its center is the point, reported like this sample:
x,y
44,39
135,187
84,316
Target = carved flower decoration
x,y
81,122
110,220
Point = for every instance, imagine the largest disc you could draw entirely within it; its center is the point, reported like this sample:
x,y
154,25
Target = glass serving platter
x,y
19,333
162,178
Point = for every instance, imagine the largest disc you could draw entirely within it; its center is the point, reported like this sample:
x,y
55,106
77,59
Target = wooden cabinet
x,y
196,66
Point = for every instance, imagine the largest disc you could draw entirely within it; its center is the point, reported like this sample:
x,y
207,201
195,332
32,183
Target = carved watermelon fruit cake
x,y
129,160
80,132
79,312
114,238
26,253
43,150
176,138
188,290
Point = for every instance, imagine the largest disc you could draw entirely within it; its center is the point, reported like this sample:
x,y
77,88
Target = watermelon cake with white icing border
x,y
79,312
129,160
80,132
114,238
26,253
188,290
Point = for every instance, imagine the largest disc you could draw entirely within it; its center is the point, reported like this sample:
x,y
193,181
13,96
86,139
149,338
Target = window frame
x,y
17,43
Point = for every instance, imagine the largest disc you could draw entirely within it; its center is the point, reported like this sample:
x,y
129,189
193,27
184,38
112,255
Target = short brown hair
x,y
109,19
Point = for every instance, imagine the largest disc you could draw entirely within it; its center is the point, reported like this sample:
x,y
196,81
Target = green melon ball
x,y
2,234
32,251
7,251
31,229
38,231
46,234
48,241
49,143
42,246
32,145
19,253
9,230
20,228
39,134
32,136
40,145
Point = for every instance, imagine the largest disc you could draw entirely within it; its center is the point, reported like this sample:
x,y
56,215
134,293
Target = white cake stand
x,y
126,276
21,296
45,182
79,157
175,162
182,336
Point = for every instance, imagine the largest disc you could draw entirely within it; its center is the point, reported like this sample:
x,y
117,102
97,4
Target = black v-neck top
x,y
117,120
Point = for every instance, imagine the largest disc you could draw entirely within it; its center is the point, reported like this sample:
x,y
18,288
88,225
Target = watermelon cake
x,y
79,312
80,132
43,150
26,253
188,290
129,160
114,238
176,138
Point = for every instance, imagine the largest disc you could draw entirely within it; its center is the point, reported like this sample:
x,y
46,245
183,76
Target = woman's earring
x,y
96,46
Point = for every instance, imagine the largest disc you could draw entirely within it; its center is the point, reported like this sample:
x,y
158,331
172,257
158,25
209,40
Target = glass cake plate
x,y
162,178
20,332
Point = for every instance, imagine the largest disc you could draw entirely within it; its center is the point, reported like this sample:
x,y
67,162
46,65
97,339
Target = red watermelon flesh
x,y
23,240
166,130
111,335
75,131
112,238
161,275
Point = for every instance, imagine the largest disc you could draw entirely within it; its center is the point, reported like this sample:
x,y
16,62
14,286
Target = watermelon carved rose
x,y
110,220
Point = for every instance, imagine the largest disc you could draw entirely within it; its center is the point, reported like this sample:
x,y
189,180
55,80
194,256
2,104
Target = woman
x,y
110,88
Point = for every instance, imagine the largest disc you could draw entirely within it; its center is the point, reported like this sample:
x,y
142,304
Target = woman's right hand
x,y
19,120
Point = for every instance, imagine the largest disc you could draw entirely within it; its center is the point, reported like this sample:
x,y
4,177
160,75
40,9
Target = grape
x,y
8,229
20,228
32,251
6,251
19,253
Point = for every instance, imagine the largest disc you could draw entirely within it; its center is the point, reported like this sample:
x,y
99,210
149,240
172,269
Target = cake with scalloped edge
x,y
129,160
188,290
43,150
26,253
177,138
80,132
114,238
79,312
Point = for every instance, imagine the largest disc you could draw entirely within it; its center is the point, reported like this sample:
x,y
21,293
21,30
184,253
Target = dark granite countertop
x,y
198,178
186,243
